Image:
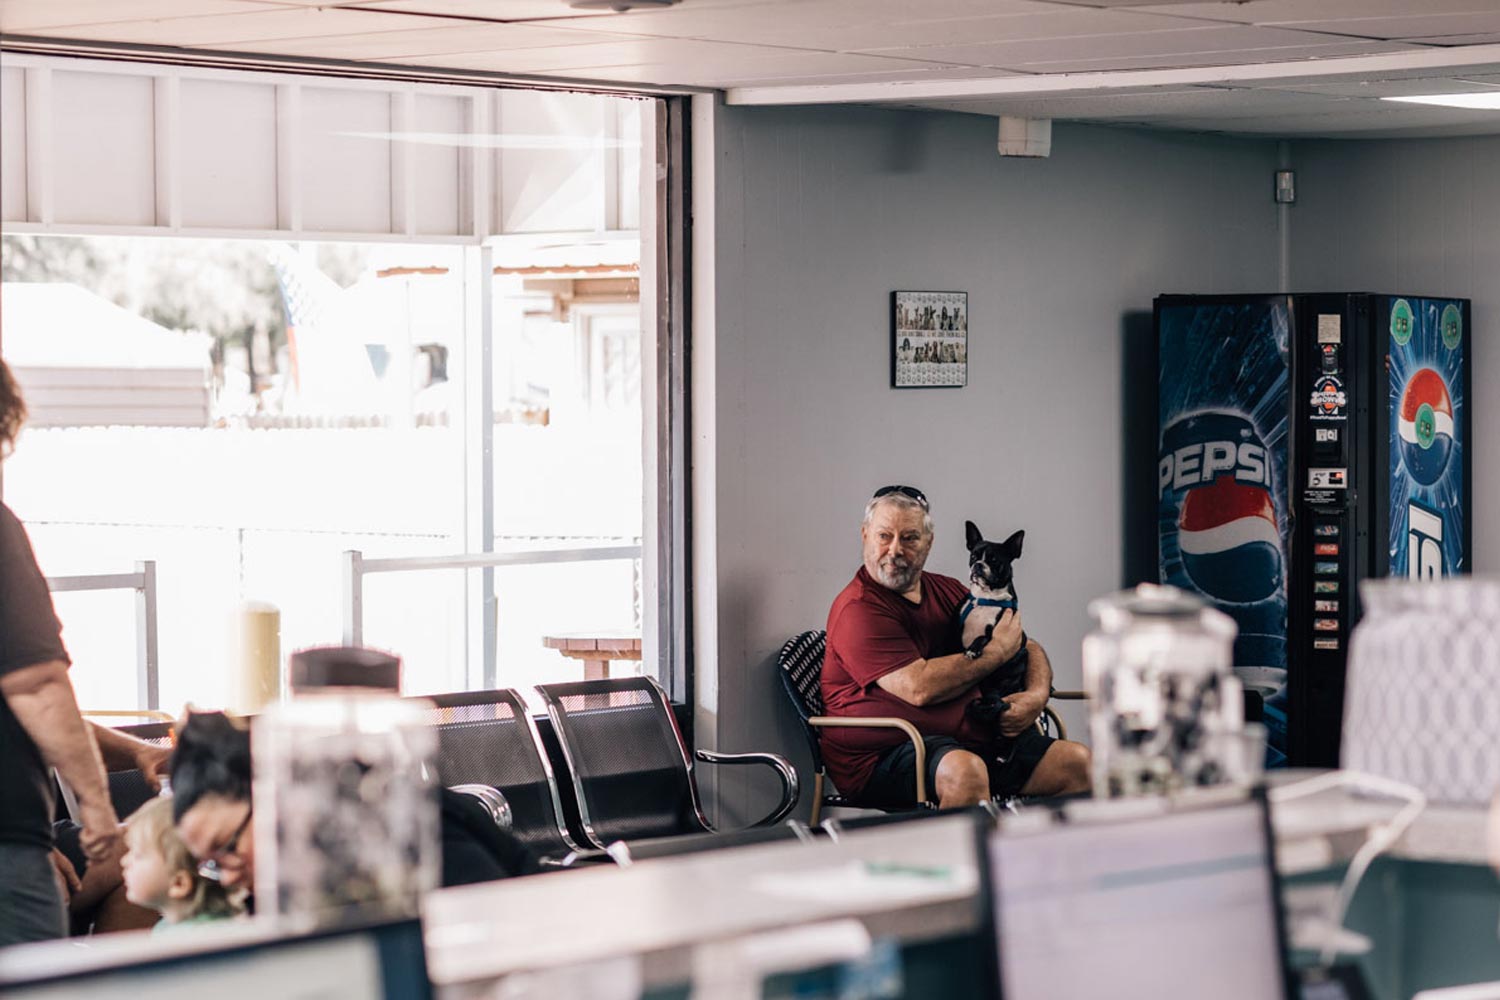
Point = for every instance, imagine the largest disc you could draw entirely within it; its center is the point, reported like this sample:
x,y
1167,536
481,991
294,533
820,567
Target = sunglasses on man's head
x,y
906,491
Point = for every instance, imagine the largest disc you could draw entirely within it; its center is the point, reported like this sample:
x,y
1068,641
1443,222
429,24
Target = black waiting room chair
x,y
128,790
630,767
488,738
800,664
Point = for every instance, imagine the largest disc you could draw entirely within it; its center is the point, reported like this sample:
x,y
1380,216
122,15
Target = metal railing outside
x,y
143,582
356,567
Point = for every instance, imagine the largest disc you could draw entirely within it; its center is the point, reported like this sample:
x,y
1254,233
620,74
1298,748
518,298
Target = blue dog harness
x,y
973,602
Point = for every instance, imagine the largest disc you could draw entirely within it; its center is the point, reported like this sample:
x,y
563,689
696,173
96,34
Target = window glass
x,y
243,413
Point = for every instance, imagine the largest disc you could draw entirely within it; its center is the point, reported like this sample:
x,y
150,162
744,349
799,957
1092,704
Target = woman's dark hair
x,y
212,758
12,410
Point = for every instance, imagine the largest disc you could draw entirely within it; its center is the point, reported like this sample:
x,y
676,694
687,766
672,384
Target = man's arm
x,y
1027,705
928,682
123,753
42,699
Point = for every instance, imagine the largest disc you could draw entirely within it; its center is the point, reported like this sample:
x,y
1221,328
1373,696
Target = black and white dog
x,y
992,590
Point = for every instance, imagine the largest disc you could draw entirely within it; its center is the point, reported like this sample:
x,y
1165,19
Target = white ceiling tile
x,y
546,60
916,28
1491,39
1106,48
1419,26
728,21
413,45
1476,72
492,10
1300,11
513,10
28,16
1381,88
672,61
226,29
1235,57
1008,28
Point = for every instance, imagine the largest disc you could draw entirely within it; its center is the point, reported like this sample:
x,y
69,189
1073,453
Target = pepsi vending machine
x,y
1306,442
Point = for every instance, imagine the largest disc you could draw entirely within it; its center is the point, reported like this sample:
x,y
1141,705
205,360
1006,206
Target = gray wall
x,y
1413,217
818,215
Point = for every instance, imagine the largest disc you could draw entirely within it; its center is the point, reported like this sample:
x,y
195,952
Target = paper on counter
x,y
871,883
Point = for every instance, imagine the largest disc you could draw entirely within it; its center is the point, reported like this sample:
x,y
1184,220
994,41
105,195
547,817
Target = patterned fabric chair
x,y
801,663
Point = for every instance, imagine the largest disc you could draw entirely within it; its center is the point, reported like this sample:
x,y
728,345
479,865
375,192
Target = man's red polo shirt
x,y
872,631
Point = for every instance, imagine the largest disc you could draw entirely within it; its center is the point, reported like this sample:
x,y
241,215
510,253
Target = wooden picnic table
x,y
596,649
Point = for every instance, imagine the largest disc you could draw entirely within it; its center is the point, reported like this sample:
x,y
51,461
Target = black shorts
x,y
893,783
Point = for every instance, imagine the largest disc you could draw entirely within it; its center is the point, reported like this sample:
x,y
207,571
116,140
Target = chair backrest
x,y
128,790
630,767
801,663
801,670
489,738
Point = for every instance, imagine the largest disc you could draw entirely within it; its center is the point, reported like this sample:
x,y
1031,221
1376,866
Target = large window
x,y
433,442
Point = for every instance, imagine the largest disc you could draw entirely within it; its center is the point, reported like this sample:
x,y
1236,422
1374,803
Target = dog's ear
x,y
1013,544
972,537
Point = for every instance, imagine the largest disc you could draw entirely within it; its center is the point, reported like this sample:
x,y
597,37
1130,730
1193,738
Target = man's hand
x,y
100,836
69,874
1005,638
1025,708
152,761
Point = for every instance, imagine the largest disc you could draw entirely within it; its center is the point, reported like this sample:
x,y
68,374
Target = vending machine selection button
x,y
1325,586
1326,607
1325,644
1326,568
1327,479
1326,549
1326,530
1325,624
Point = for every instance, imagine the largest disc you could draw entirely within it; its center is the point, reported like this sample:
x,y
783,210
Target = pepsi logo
x,y
1230,541
1425,426
1452,326
1401,322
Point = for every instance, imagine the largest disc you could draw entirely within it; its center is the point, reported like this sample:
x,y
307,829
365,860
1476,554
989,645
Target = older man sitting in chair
x,y
894,650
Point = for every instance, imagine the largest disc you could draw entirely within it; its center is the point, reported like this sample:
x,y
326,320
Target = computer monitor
x,y
1179,904
374,962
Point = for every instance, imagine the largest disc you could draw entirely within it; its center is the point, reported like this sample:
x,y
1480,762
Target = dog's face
x,y
990,562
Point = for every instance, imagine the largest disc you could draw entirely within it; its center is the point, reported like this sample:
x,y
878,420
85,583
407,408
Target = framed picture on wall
x,y
929,340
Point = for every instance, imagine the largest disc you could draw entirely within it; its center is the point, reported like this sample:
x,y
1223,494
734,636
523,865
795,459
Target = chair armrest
x,y
791,789
1051,715
883,722
1068,695
492,799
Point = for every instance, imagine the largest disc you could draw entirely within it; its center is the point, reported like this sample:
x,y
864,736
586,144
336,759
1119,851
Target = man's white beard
x,y
896,577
